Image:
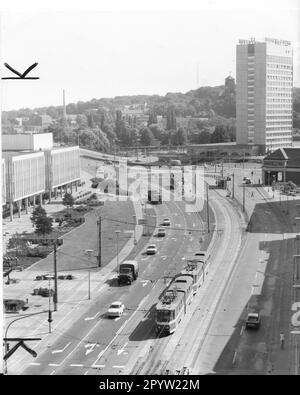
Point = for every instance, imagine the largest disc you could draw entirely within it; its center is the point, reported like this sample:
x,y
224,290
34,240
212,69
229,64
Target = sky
x,y
106,49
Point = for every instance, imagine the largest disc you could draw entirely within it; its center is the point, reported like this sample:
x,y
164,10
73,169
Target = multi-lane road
x,y
97,344
250,268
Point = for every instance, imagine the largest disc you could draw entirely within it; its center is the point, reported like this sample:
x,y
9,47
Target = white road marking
x,y
119,366
52,373
35,363
53,364
77,365
242,330
234,357
94,365
85,373
61,350
144,282
117,318
91,318
122,349
89,348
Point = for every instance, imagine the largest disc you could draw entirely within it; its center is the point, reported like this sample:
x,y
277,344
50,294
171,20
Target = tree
x,y
43,224
171,119
37,212
146,137
220,135
181,136
68,200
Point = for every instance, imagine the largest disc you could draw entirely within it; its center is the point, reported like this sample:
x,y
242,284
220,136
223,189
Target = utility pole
x,y
232,185
244,197
207,208
99,223
55,296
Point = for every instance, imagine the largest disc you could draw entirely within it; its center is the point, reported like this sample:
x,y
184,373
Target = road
x,y
96,344
262,282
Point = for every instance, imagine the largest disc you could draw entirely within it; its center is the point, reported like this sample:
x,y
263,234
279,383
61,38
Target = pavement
x,y
262,281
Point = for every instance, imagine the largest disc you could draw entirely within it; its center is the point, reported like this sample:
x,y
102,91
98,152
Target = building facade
x,y
28,176
282,165
264,93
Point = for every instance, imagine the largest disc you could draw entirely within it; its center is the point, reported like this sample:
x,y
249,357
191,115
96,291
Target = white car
x,y
116,309
152,249
166,222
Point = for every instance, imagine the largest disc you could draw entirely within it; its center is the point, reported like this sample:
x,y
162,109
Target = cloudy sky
x,y
106,49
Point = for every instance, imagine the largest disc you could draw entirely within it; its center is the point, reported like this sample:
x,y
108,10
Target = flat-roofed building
x,y
62,167
28,176
25,178
27,141
264,113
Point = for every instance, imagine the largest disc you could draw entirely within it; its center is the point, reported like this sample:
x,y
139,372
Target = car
x,y
152,249
253,320
161,232
43,277
246,180
166,222
116,309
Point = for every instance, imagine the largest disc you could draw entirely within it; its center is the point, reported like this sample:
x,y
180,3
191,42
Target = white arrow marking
x,y
117,318
91,318
90,347
62,350
144,282
122,349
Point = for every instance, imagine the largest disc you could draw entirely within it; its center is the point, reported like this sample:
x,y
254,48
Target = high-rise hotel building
x,y
264,93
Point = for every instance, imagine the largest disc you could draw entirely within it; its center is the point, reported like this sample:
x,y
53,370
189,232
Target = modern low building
x,y
282,165
27,142
62,168
28,175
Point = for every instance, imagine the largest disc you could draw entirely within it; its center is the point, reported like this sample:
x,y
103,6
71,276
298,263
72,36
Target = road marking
x,y
94,365
35,363
89,348
76,365
117,318
85,373
52,373
53,364
61,350
122,349
119,366
234,357
91,318
242,330
144,282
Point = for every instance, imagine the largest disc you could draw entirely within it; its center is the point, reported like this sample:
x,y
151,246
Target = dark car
x,y
253,321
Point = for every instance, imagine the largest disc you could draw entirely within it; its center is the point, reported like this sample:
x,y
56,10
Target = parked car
x,y
116,309
253,320
152,249
166,222
161,232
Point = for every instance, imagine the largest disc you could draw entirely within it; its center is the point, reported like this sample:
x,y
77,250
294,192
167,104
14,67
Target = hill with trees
x,y
208,114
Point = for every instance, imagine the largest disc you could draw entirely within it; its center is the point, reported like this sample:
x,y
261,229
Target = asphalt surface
x,y
97,344
263,282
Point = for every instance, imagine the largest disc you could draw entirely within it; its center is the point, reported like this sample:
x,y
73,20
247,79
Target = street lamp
x,y
117,232
134,234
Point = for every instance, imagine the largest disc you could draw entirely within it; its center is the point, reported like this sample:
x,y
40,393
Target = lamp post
x,y
117,232
134,234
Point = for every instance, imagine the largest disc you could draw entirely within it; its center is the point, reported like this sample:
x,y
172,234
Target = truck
x,y
128,272
154,196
